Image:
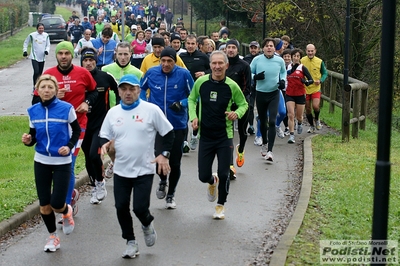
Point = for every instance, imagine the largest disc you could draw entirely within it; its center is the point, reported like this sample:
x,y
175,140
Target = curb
x,y
279,255
33,209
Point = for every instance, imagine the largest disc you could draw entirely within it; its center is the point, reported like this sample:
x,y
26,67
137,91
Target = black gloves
x,y
259,76
46,53
176,106
25,54
307,82
281,84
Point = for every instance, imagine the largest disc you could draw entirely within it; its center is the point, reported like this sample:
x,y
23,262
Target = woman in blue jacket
x,y
50,122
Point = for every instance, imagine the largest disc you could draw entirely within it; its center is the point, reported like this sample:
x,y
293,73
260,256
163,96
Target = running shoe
x,y
299,129
132,250
286,132
74,200
170,203
251,130
232,173
258,141
109,172
161,191
186,147
219,212
193,142
291,139
212,190
101,190
150,235
264,150
239,157
68,221
279,132
318,124
93,198
53,243
311,129
269,157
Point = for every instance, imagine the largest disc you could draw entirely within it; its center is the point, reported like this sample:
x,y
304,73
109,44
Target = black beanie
x,y
158,41
170,52
234,42
175,36
88,52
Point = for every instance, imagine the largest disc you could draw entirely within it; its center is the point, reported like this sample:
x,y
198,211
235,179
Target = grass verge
x,y
12,47
17,183
341,202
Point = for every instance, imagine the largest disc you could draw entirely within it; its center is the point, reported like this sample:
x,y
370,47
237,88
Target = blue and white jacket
x,y
107,56
51,126
165,89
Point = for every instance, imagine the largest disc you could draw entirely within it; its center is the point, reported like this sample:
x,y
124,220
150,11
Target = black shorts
x,y
296,99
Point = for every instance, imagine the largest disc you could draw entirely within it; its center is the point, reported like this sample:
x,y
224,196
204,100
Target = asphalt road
x,y
187,235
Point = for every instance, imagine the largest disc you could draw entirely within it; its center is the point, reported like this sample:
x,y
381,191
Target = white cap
x,y
139,16
133,27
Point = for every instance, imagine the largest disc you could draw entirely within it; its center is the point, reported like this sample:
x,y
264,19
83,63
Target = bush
x,y
13,14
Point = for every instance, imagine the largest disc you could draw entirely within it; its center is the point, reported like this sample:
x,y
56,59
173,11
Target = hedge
x,y
13,14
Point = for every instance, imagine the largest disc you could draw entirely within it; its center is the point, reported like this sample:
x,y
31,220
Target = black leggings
x,y
174,160
47,175
93,162
207,151
267,102
141,188
37,70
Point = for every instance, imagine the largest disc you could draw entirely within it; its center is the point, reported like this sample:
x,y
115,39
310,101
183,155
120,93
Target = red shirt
x,y
77,82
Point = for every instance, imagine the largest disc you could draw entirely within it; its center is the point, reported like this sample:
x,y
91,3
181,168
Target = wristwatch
x,y
87,101
166,154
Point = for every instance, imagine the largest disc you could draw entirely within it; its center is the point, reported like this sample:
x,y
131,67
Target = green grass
x,y
12,47
17,184
342,195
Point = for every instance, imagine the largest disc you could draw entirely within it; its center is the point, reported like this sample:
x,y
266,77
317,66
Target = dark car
x,y
55,26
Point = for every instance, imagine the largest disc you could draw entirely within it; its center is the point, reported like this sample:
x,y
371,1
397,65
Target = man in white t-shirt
x,y
133,125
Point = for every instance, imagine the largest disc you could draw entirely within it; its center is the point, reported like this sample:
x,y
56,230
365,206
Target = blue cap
x,y
129,79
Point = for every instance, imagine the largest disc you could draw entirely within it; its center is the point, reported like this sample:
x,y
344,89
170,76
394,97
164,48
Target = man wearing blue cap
x,y
133,124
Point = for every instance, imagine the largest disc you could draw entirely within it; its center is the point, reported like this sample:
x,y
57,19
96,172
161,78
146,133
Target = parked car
x,y
55,26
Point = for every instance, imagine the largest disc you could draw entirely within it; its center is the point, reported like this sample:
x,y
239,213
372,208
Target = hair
x,y
220,52
137,33
223,23
285,38
183,29
212,43
165,33
123,45
286,51
200,39
297,50
192,36
47,77
39,24
108,32
267,40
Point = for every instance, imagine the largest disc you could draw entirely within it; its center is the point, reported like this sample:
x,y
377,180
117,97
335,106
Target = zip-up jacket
x,y
195,62
165,89
239,71
49,123
107,56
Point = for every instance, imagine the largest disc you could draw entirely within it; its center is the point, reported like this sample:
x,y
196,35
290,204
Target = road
x,y
187,235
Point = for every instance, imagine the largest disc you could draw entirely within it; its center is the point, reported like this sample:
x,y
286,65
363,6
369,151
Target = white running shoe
x,y
93,198
109,172
269,157
170,203
291,139
264,150
258,141
318,125
53,243
150,235
279,132
219,212
132,250
101,190
193,142
212,190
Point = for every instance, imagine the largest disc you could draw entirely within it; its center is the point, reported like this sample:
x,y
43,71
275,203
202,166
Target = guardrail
x,y
332,90
355,99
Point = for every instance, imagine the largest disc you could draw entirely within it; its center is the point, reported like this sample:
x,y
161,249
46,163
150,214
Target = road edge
x,y
278,258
